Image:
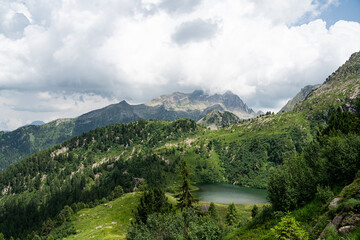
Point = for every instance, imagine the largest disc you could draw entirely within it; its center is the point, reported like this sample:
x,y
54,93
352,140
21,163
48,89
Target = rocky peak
x,y
124,103
300,96
350,68
199,100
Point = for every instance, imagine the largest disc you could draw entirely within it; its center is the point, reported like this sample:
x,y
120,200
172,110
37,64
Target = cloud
x,y
179,6
195,31
59,52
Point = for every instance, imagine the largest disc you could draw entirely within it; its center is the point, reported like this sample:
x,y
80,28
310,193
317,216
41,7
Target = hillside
x,y
27,140
341,88
299,97
297,160
217,119
91,165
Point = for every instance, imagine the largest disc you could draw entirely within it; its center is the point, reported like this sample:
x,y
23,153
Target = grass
x,y
106,221
111,220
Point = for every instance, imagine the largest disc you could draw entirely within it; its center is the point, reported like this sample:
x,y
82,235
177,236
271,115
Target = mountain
x,y
217,119
340,89
30,139
300,96
301,166
199,100
37,123
88,168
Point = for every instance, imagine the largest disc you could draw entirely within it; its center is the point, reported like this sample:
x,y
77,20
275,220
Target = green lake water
x,y
226,193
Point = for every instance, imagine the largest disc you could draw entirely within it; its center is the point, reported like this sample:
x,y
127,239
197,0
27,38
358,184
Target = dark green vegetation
x,y
304,157
27,140
87,169
305,185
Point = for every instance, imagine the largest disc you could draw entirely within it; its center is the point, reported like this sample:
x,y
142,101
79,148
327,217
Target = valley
x,y
101,179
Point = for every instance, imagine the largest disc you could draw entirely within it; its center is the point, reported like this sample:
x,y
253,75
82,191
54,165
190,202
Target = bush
x,y
188,224
254,211
324,194
232,216
266,214
288,229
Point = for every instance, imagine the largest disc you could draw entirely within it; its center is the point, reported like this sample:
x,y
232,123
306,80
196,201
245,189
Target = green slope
x,y
111,220
304,92
105,221
91,165
341,88
27,140
87,168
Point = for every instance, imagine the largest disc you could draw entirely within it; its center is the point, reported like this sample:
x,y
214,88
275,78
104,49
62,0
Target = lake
x,y
226,193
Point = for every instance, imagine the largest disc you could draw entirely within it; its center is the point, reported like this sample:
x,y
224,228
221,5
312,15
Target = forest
x,y
302,164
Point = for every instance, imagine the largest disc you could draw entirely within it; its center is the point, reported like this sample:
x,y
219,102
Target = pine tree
x,y
213,212
185,198
231,215
152,201
254,211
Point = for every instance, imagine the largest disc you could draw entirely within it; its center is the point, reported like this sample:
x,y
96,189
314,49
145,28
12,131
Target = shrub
x,y
324,194
288,228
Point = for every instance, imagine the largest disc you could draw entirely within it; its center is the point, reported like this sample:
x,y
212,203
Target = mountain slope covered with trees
x,y
27,140
303,157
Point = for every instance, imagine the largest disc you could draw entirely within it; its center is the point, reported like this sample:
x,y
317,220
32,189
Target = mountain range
x,y
199,100
27,140
303,157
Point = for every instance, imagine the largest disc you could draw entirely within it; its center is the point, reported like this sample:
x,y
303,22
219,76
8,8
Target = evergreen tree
x,y
232,216
213,212
47,227
185,198
254,211
152,201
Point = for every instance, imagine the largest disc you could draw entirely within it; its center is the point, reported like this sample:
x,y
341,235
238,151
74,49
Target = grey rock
x,y
337,220
346,229
335,202
304,92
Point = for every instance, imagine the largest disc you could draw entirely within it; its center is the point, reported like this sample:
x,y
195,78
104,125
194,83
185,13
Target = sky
x,y
63,58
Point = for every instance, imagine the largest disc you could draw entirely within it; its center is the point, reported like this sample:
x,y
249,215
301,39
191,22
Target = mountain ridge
x,y
340,89
87,169
217,119
200,100
27,140
300,96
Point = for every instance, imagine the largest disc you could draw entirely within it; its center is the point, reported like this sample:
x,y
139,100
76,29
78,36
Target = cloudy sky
x,y
62,58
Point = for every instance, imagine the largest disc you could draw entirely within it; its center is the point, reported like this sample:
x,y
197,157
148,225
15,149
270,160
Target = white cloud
x,y
138,49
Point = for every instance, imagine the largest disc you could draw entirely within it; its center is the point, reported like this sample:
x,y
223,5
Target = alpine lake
x,y
225,193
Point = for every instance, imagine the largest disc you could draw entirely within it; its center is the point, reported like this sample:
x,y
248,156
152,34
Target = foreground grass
x,y
106,221
111,220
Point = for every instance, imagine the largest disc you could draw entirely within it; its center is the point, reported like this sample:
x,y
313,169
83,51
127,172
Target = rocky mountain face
x,y
300,96
217,119
340,89
27,140
199,100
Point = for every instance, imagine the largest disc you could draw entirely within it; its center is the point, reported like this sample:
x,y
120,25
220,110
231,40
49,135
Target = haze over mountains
x,y
288,153
300,96
26,140
199,100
